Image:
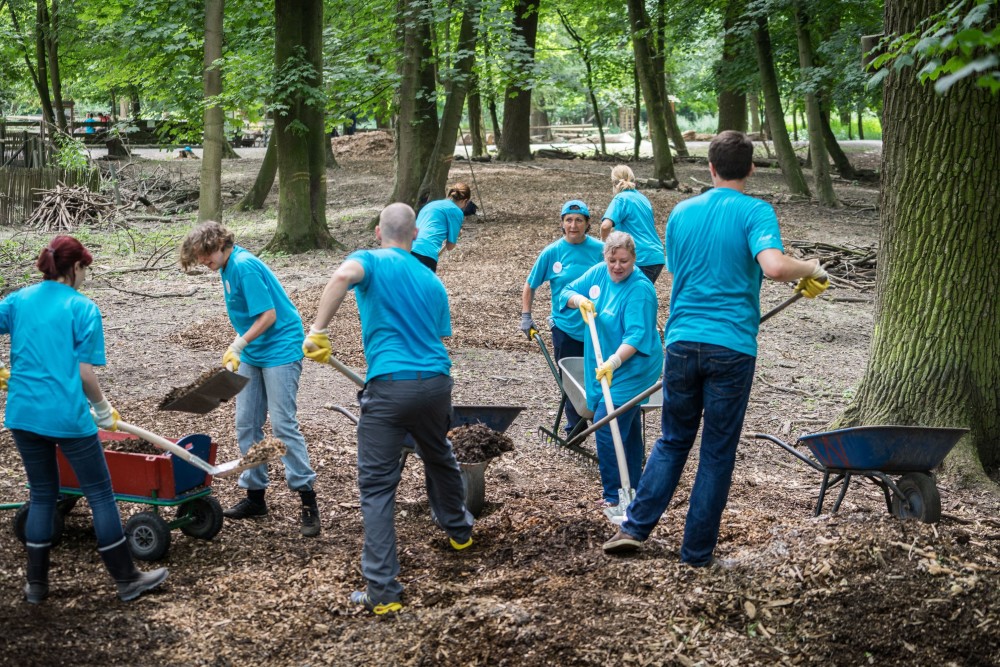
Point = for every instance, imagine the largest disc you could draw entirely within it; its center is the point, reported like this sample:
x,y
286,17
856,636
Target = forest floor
x,y
852,588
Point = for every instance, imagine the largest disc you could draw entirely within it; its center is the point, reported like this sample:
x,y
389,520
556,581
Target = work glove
x,y
105,416
231,359
527,324
586,307
317,345
606,370
814,284
4,376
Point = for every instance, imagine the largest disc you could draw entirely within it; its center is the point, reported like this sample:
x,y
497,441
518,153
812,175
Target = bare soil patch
x,y
856,587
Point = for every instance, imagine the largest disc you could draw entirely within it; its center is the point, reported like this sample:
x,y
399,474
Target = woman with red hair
x,y
56,339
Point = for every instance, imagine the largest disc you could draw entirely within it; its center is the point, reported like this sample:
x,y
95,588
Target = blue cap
x,y
575,206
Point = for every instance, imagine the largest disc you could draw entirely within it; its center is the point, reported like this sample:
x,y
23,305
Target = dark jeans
x,y
427,261
564,346
652,271
86,456
696,377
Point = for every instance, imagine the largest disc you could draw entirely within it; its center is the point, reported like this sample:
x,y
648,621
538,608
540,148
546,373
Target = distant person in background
x,y
631,212
439,223
88,123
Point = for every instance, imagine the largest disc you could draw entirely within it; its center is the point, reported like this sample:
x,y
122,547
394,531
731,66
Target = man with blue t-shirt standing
x,y
404,315
720,245
267,349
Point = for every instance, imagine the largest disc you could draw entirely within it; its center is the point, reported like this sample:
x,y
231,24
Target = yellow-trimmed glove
x,y
586,307
317,345
105,416
4,376
606,370
231,359
814,284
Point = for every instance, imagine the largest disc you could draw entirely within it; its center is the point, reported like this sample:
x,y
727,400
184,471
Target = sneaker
x,y
244,509
622,543
361,598
459,546
310,521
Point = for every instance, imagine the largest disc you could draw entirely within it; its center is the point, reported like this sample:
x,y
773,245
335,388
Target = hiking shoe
x,y
622,543
459,546
310,521
361,598
244,509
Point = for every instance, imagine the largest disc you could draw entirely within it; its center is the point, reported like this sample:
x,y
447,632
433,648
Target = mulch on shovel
x,y
476,443
265,450
177,392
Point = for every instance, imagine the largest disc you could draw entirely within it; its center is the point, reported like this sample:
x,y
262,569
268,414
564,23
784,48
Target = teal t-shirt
x,y
626,313
251,288
53,329
712,244
437,222
632,213
404,313
559,264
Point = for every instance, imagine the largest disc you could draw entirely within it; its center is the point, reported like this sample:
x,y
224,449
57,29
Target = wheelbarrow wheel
x,y
922,496
20,521
148,536
206,517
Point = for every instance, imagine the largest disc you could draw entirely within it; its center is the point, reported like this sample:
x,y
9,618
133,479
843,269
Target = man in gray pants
x,y
404,314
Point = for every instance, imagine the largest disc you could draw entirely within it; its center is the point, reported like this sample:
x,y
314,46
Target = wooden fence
x,y
19,188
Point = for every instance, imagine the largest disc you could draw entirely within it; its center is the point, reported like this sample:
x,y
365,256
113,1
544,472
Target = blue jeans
x,y
86,457
630,427
564,346
272,392
696,377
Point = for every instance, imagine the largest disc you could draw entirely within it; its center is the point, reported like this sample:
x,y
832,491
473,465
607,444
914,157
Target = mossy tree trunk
x,y
732,100
935,353
210,193
663,80
254,199
639,26
298,47
514,143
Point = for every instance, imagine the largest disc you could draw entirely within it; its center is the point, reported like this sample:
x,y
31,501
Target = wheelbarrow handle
x,y
791,450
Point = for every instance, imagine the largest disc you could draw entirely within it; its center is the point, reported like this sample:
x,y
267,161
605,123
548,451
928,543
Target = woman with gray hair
x,y
631,212
623,303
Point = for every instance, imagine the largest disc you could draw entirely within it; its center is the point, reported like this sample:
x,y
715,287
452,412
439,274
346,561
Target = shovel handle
x,y
168,446
616,435
350,374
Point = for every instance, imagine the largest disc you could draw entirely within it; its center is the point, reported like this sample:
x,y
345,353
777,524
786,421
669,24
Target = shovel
x,y
227,469
206,393
626,494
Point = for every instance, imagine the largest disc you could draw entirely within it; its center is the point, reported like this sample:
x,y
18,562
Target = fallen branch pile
x,y
66,208
851,266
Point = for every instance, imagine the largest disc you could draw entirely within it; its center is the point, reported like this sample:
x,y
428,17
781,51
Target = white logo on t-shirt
x,y
595,291
228,289
557,267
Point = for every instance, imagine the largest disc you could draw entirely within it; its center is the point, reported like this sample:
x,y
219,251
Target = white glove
x,y
105,415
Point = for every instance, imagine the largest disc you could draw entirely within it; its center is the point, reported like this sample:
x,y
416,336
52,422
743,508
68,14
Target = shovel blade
x,y
208,394
616,514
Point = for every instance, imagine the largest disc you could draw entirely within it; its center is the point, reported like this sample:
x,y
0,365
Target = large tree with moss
x,y
935,355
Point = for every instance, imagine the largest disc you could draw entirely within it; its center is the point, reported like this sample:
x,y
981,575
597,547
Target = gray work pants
x,y
389,410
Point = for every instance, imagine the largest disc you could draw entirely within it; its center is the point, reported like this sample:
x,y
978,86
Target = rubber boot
x,y
37,588
131,582
310,513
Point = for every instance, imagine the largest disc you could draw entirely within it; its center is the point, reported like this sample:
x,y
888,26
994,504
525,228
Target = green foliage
x,y
71,153
952,45
295,84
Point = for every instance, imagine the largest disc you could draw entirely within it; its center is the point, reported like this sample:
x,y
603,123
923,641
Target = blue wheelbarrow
x,y
875,453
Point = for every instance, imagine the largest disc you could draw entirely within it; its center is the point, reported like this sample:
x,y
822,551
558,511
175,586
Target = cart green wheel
x,y
148,536
921,493
206,517
20,520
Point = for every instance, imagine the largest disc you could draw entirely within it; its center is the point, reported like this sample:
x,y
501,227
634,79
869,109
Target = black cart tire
x,y
207,517
66,504
148,536
924,498
20,520
475,490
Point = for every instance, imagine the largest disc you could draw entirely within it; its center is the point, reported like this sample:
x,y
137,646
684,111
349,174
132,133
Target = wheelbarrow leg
x,y
843,492
822,493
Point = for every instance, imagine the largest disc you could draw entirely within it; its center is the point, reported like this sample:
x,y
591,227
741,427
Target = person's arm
x,y
779,266
607,226
317,344
527,323
448,245
105,415
263,322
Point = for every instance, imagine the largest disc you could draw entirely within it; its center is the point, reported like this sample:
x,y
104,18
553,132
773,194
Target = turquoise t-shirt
x,y
559,264
712,244
632,213
251,288
437,222
626,313
53,329
404,313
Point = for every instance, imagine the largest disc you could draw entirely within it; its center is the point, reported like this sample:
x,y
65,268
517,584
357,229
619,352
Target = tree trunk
x,y
817,147
637,110
476,121
663,80
210,195
435,179
41,54
840,160
52,48
861,124
790,167
228,153
754,103
584,52
732,102
254,199
514,144
935,355
298,45
417,124
663,163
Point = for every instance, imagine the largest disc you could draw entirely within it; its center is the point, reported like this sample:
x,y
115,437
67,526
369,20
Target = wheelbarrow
x,y
875,453
156,480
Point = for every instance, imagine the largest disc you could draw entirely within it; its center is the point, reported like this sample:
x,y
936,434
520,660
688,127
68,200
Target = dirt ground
x,y
852,588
